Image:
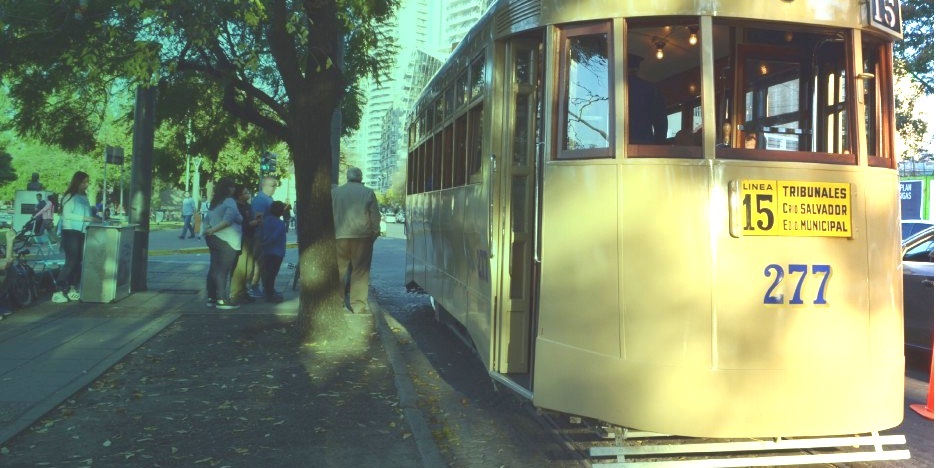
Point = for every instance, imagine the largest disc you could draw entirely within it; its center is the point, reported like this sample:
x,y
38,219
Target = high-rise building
x,y
458,16
426,32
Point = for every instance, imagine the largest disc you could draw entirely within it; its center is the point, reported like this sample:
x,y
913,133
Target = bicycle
x,y
22,289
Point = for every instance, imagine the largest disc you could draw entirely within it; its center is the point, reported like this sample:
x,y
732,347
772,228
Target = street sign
x,y
114,155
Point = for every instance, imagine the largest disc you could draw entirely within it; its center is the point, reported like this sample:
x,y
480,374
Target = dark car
x,y
918,291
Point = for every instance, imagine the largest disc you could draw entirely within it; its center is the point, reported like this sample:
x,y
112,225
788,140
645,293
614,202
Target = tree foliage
x,y
7,173
914,53
274,70
913,73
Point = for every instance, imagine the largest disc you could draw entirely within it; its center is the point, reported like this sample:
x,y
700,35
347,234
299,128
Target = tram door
x,y
522,127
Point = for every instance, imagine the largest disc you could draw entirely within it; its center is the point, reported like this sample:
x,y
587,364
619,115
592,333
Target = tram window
x,y
425,151
475,116
448,161
461,90
461,150
876,58
415,177
439,115
424,127
477,77
434,170
585,106
664,82
449,101
410,160
789,90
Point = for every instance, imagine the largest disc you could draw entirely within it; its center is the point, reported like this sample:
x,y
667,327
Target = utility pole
x,y
141,182
196,178
188,175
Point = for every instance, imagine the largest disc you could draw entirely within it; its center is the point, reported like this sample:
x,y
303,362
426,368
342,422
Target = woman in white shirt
x,y
223,232
76,216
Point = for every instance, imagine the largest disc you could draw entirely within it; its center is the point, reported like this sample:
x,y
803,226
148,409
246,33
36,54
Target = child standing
x,y
273,249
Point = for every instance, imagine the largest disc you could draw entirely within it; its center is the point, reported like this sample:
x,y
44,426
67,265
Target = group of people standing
x,y
246,239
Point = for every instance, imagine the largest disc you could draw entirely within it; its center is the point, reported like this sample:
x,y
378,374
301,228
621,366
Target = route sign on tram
x,y
792,208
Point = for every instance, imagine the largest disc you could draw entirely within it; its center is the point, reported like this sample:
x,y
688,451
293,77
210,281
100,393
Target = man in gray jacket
x,y
357,226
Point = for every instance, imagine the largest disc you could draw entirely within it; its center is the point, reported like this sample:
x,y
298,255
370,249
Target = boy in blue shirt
x,y
273,249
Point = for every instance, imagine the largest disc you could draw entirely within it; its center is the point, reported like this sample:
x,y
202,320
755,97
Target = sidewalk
x,y
48,352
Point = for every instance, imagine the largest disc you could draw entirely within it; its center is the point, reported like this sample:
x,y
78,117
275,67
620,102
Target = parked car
x,y
918,291
909,227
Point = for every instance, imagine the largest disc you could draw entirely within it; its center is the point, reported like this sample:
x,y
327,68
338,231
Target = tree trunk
x,y
321,304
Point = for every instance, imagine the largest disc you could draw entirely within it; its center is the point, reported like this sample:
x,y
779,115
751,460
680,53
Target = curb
x,y
425,443
196,250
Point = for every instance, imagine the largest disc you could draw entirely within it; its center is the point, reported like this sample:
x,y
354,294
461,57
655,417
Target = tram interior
x,y
777,90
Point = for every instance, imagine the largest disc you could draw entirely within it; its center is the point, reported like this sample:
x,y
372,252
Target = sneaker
x,y
210,303
255,292
59,298
226,305
73,295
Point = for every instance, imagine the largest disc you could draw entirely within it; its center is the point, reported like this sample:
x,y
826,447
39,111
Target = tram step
x,y
685,453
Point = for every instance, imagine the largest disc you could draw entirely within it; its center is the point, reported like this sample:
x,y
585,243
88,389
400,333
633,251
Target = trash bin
x,y
106,262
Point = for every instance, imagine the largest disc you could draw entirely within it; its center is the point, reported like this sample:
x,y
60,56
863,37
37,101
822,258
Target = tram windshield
x,y
781,92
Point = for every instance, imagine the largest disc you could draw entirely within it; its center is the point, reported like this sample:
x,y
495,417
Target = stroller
x,y
31,235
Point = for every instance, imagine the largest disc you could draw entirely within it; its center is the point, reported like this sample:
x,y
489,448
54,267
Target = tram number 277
x,y
777,271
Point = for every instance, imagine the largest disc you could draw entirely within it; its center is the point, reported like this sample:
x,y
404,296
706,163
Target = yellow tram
x,y
730,269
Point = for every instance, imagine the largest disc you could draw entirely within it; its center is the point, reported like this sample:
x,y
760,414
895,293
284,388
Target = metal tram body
x,y
701,285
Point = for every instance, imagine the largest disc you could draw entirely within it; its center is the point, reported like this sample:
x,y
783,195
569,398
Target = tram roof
x,y
508,17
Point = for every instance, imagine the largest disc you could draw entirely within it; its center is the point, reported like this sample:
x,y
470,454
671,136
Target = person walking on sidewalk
x,y
357,226
76,216
260,205
273,247
43,215
203,211
188,210
223,236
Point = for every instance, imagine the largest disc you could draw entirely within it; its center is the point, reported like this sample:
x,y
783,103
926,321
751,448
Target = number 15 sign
x,y
885,15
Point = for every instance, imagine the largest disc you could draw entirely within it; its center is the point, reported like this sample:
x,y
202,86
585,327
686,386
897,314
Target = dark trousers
x,y
73,245
187,226
268,271
222,259
356,254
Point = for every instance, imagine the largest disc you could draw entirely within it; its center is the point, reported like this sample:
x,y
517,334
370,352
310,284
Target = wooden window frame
x,y
562,90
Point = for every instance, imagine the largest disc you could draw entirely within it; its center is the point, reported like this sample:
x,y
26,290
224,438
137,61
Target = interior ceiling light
x,y
659,52
693,35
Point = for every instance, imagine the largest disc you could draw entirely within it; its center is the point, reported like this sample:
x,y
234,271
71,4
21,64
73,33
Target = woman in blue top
x,y
223,232
76,215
